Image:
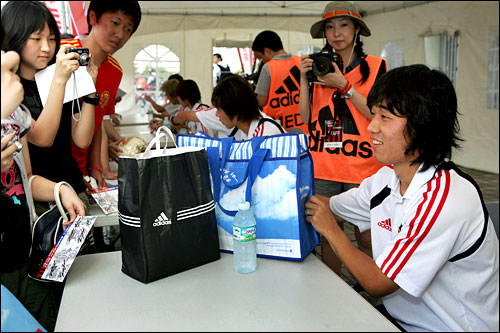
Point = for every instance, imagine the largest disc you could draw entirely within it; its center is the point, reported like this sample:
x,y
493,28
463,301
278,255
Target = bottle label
x,y
244,234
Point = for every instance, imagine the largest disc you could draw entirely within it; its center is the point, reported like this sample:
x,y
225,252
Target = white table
x,y
102,219
135,117
279,296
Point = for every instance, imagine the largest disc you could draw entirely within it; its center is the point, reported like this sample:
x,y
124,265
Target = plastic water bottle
x,y
244,240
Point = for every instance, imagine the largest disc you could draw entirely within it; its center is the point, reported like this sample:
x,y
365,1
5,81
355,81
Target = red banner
x,y
78,14
54,8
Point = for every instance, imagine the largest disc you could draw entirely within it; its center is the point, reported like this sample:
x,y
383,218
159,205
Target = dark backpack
x,y
224,71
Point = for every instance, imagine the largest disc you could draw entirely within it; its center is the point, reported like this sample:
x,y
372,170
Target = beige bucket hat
x,y
339,9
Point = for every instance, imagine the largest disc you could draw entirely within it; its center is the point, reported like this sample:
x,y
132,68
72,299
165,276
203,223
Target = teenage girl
x,y
32,32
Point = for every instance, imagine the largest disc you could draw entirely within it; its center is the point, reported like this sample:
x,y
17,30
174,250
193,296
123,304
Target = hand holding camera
x,y
66,63
82,56
323,63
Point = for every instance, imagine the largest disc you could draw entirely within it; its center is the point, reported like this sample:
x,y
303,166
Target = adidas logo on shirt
x,y
162,219
386,224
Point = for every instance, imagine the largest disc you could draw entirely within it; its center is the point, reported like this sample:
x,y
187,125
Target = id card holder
x,y
333,133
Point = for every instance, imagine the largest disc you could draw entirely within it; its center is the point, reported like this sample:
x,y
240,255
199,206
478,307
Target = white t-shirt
x,y
434,243
215,74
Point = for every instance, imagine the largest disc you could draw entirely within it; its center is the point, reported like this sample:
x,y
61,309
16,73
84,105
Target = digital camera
x,y
84,58
322,63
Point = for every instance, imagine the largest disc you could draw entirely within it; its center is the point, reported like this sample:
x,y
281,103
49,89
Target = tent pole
x,y
64,22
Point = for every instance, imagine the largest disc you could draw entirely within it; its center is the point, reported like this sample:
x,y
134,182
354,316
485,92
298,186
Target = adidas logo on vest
x,y
292,95
162,219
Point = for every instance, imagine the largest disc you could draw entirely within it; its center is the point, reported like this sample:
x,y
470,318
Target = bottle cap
x,y
244,205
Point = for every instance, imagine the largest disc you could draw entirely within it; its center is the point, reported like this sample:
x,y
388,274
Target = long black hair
x,y
22,18
427,99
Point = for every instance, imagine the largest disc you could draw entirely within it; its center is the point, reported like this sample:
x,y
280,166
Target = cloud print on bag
x,y
278,196
277,202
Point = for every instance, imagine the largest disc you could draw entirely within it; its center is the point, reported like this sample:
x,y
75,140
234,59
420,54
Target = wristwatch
x,y
349,93
92,100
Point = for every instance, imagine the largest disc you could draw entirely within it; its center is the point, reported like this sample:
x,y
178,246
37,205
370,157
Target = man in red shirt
x,y
111,24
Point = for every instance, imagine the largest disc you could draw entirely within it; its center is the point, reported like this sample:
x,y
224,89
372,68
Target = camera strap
x,y
75,91
311,90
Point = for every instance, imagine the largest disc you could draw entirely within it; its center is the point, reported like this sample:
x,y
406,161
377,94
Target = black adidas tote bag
x,y
166,211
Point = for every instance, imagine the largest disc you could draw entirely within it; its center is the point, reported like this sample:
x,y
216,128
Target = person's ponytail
x,y
364,68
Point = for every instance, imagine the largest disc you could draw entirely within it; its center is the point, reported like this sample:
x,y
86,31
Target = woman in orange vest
x,y
333,90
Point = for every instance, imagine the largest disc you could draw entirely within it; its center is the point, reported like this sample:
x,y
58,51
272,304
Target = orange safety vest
x,y
354,161
284,90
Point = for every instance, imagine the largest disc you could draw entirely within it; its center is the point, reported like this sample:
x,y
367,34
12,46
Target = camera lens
x,y
84,59
323,66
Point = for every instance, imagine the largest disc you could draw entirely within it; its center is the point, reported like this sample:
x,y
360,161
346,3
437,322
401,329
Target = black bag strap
x,y
262,120
204,106
233,132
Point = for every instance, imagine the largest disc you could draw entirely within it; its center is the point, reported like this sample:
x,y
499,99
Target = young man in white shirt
x,y
435,251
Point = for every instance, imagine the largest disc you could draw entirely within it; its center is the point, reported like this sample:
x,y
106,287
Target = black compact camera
x,y
322,63
84,58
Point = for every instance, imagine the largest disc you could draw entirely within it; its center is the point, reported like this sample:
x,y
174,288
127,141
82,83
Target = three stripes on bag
x,y
133,221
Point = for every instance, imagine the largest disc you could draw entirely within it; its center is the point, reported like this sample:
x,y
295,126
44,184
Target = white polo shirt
x,y
435,243
266,128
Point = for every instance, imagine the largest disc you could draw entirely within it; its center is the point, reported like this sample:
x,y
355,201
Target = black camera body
x,y
84,57
322,63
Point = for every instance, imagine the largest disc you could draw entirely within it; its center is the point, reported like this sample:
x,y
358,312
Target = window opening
x,y
152,66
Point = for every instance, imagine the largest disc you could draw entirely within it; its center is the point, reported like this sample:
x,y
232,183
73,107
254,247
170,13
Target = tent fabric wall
x,y
191,37
473,19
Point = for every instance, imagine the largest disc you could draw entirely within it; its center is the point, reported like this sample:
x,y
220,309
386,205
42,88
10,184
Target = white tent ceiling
x,y
263,8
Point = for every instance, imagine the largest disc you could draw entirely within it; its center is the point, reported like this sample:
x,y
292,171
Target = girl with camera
x,y
31,31
337,100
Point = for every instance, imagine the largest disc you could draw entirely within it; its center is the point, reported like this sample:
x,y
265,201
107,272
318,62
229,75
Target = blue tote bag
x,y
275,174
15,317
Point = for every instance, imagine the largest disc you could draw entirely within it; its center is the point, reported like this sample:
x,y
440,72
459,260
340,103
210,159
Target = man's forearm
x,y
361,266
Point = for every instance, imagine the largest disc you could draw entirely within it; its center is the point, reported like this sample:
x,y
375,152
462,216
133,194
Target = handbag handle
x,y
57,198
157,139
168,132
35,216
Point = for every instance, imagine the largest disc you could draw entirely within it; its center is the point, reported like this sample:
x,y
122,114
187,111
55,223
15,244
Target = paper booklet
x,y
60,259
106,198
84,87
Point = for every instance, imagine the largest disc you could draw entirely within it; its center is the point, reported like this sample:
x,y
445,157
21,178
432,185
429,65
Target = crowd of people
x,y
381,143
